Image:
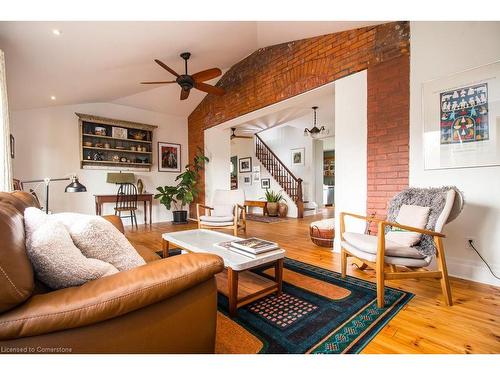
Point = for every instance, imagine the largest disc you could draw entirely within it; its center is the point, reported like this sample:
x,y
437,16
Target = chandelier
x,y
315,132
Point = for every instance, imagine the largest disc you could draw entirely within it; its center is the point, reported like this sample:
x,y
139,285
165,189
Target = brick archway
x,y
275,73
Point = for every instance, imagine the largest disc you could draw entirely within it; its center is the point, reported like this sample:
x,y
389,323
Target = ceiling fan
x,y
233,135
187,82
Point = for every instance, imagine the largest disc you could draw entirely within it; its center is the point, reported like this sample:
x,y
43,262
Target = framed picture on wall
x,y
247,180
245,165
256,176
169,157
256,168
234,172
461,119
265,183
297,155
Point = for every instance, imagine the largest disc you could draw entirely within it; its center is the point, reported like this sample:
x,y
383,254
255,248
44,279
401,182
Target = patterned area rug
x,y
265,219
318,312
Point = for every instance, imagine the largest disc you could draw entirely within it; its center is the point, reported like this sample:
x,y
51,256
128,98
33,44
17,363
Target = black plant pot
x,y
180,217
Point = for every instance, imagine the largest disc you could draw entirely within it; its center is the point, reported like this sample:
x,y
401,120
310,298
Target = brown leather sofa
x,y
165,306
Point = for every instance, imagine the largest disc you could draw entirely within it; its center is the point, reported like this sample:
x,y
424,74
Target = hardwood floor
x,y
425,325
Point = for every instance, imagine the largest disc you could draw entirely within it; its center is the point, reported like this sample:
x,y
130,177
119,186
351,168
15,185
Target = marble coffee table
x,y
204,240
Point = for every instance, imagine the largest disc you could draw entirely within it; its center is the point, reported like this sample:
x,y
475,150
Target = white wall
x,y
217,171
439,49
47,145
243,148
350,150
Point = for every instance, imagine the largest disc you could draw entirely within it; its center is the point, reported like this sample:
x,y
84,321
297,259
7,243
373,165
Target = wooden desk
x,y
261,204
100,199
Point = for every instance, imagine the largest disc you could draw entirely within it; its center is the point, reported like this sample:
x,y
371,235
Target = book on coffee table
x,y
255,245
227,246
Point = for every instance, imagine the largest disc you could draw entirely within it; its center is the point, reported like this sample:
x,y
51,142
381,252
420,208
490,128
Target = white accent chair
x,y
386,256
227,211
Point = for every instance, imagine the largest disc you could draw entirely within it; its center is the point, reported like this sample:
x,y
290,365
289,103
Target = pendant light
x,y
315,132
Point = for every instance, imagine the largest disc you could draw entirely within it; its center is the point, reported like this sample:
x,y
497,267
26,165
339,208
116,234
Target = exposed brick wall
x,y
275,73
388,132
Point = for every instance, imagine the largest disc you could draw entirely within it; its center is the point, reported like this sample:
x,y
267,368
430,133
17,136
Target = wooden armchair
x,y
393,261
227,212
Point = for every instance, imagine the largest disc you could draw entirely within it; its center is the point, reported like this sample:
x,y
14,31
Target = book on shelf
x,y
255,245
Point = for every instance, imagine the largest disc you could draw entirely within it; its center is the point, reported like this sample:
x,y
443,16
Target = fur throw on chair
x,y
435,198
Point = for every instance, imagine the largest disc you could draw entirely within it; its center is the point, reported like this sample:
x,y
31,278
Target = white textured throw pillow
x,y
98,238
56,260
412,216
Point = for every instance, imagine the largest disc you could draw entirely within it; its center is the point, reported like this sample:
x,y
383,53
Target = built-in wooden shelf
x,y
138,159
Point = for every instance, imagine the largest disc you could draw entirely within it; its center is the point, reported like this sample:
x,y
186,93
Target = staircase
x,y
287,180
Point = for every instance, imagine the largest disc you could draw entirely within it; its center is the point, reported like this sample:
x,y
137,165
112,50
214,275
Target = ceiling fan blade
x,y
209,88
206,75
184,94
156,83
166,67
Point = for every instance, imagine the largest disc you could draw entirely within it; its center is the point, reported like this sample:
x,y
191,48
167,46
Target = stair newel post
x,y
299,200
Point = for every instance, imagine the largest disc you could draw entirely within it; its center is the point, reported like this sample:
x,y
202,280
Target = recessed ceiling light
x,y
52,97
56,32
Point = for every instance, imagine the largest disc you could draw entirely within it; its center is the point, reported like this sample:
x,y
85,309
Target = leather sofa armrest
x,y
116,221
108,297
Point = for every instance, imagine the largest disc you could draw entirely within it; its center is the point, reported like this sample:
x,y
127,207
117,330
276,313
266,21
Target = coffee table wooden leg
x,y
232,284
165,248
278,275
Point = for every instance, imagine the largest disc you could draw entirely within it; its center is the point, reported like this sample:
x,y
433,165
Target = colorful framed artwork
x,y
461,119
245,165
169,157
265,183
297,155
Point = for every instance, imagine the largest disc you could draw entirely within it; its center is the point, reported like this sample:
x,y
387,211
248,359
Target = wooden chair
x,y
227,212
390,261
126,200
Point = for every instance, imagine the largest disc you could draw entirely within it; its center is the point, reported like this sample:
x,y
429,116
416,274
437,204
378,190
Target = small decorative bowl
x,y
87,144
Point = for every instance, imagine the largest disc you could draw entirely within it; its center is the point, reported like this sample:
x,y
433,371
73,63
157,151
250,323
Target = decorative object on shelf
x,y
245,165
123,159
282,209
98,156
169,157
256,176
297,155
315,132
139,136
73,187
99,130
120,139
115,158
247,180
187,82
186,189
461,119
265,183
140,186
117,132
12,146
273,199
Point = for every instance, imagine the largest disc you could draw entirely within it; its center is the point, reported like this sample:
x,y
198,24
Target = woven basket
x,y
322,237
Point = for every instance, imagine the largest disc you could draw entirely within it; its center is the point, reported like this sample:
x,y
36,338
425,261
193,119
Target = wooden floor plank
x,y
425,325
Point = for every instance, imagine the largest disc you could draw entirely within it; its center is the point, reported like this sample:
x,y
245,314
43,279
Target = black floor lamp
x,y
74,187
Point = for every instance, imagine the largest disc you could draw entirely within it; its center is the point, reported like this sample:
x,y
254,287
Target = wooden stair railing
x,y
285,178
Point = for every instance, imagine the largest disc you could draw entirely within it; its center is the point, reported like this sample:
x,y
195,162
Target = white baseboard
x,y
472,270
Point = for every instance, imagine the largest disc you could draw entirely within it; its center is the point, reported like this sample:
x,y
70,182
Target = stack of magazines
x,y
250,247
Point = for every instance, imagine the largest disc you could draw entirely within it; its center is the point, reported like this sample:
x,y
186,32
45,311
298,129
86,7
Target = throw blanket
x,y
435,198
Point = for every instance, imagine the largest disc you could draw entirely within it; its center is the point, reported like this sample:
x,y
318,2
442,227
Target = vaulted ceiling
x,y
105,61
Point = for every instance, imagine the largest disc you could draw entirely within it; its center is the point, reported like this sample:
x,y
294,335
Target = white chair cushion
x,y
323,224
413,216
223,210
217,224
216,219
367,243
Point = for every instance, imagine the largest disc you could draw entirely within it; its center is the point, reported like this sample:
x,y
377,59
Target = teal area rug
x,y
318,312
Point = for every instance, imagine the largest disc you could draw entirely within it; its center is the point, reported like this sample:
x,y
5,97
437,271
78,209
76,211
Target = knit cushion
x,y
56,260
98,238
412,216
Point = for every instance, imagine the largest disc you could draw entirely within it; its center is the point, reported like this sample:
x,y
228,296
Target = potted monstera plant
x,y
185,191
273,199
